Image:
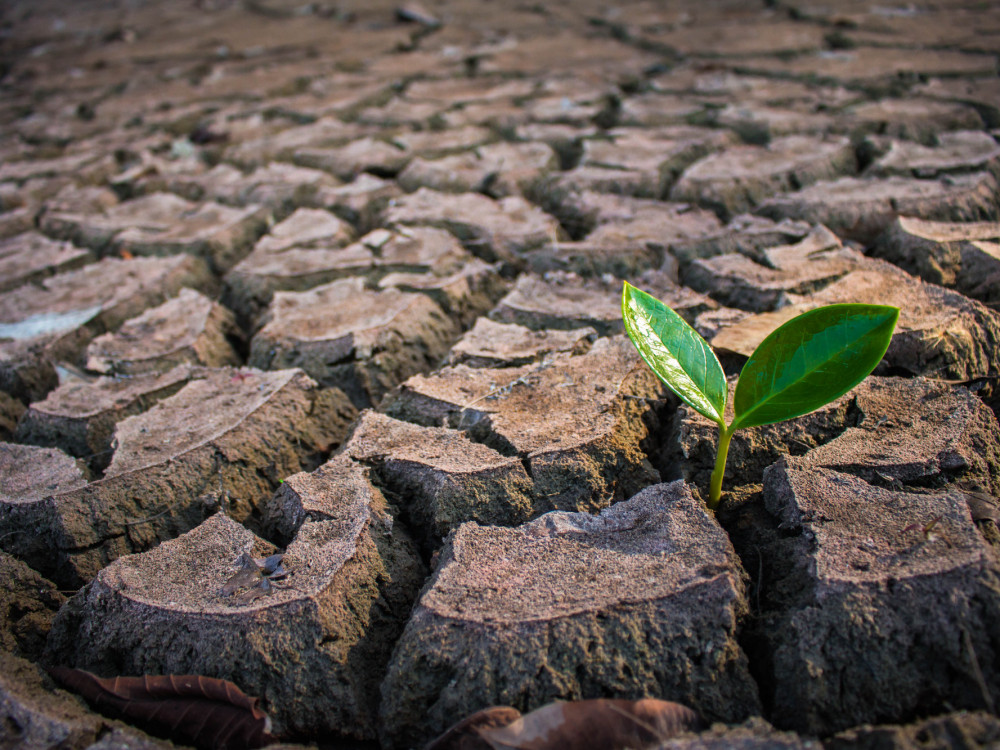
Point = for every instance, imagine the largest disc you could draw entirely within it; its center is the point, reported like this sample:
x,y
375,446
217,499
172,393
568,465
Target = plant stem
x,y
715,485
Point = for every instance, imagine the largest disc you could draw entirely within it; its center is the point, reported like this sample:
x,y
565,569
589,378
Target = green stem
x,y
715,485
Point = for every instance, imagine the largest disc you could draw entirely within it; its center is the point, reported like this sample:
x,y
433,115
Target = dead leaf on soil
x,y
203,711
255,573
599,724
465,734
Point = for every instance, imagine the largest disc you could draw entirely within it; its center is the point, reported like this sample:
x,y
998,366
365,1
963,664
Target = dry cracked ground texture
x,y
340,282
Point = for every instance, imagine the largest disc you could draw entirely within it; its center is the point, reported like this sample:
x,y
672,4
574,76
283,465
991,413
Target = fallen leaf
x,y
982,507
599,724
465,734
203,711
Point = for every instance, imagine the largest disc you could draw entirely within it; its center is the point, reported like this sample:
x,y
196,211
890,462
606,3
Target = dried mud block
x,y
491,230
28,257
11,411
653,109
492,344
35,714
498,169
375,155
226,439
277,186
736,280
953,153
759,123
28,603
746,234
306,227
915,433
283,187
281,145
464,291
874,573
631,246
649,598
919,120
364,342
877,69
959,255
15,221
54,319
861,209
187,329
972,729
935,250
30,475
361,201
565,301
752,734
164,224
312,645
79,416
589,449
609,180
658,156
439,478
309,248
737,179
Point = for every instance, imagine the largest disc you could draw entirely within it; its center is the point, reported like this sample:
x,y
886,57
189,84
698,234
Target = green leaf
x,y
678,354
811,360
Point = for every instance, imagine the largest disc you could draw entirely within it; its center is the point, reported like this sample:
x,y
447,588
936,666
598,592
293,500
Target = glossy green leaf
x,y
676,352
811,360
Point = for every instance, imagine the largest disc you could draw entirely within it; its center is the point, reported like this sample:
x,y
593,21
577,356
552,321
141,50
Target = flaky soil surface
x,y
341,281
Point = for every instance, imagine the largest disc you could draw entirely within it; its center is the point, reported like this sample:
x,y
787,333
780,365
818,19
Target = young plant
x,y
807,362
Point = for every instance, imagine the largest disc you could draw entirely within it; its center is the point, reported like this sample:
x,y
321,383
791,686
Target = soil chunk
x,y
364,342
918,434
650,595
54,320
868,564
565,301
491,230
440,477
79,416
736,280
499,169
954,153
957,255
28,603
310,638
862,208
31,256
659,155
737,179
188,329
165,224
492,344
224,440
586,453
973,728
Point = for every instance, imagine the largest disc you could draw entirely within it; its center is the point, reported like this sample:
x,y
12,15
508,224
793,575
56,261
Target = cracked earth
x,y
341,280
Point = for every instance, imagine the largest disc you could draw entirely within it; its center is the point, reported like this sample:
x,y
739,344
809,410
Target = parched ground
x,y
341,280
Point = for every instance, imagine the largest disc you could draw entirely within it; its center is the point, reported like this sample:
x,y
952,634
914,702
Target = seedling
x,y
809,361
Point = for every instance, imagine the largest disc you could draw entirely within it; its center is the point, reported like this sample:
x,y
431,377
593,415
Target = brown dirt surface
x,y
341,281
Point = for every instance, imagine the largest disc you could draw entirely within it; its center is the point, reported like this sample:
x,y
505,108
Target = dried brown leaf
x,y
465,734
599,724
203,711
